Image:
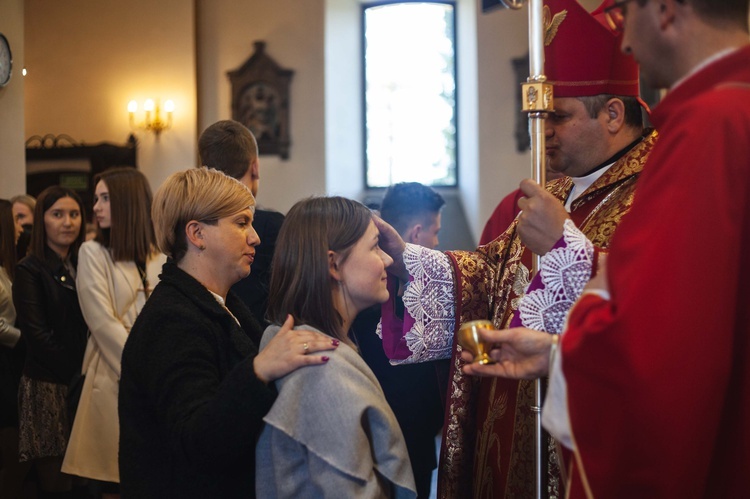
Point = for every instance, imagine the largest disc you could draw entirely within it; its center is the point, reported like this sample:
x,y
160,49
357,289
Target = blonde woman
x,y
194,389
23,216
116,273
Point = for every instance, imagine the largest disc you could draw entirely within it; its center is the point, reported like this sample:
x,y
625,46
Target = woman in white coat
x,y
116,273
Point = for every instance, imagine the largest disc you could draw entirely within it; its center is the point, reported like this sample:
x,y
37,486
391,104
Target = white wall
x,y
12,152
344,144
489,166
86,60
468,116
343,99
294,34
82,76
502,35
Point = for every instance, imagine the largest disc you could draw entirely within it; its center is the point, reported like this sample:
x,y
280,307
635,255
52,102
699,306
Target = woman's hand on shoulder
x,y
291,349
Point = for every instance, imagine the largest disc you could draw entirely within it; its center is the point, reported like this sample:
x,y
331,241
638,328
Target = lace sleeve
x,y
429,302
564,272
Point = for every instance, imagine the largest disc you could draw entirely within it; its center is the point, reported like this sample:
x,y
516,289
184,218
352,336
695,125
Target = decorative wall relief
x,y
260,101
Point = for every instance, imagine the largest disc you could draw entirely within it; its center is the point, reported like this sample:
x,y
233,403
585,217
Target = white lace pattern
x,y
564,272
430,300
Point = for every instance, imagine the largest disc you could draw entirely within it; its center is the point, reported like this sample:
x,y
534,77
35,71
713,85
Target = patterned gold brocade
x,y
489,434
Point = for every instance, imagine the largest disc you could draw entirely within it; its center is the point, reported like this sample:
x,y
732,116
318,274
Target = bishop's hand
x,y
540,223
391,242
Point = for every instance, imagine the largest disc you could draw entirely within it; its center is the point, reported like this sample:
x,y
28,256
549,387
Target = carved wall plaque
x,y
260,101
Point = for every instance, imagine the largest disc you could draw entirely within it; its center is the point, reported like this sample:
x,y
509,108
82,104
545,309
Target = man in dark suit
x,y
229,146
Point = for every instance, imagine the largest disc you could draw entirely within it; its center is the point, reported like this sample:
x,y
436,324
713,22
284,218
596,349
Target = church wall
x,y
12,154
86,60
294,36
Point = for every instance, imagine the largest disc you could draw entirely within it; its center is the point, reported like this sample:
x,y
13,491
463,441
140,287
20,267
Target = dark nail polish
x,y
325,358
335,342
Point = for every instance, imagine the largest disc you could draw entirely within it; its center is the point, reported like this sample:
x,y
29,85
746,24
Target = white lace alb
x,y
430,300
564,272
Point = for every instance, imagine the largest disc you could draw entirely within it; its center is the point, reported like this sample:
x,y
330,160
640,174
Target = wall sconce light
x,y
153,120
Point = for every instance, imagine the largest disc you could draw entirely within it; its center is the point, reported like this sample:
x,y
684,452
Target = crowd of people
x,y
197,345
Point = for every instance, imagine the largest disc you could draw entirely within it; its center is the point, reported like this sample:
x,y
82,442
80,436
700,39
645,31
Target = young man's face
x,y
427,234
641,39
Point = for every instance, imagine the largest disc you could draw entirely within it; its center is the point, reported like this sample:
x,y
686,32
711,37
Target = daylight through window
x,y
410,93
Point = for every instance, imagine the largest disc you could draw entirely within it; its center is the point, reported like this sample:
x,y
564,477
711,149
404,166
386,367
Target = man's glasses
x,y
615,15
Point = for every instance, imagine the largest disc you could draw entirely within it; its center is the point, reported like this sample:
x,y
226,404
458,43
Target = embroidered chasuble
x,y
488,437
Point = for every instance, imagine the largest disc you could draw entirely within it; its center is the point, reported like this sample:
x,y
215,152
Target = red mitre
x,y
582,53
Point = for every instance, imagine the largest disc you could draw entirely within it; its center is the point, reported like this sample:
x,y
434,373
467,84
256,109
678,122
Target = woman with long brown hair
x,y
330,433
54,332
116,273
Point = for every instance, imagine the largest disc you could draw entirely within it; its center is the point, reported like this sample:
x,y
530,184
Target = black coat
x,y
49,318
191,407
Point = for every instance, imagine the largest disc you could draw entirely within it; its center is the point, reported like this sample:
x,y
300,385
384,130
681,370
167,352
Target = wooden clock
x,y
6,61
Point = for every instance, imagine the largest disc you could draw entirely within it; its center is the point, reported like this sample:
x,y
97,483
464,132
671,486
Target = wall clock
x,y
6,61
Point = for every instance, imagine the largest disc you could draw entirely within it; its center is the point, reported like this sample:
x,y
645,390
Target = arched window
x,y
410,93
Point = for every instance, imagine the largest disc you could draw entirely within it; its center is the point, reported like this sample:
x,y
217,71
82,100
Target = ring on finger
x,y
305,347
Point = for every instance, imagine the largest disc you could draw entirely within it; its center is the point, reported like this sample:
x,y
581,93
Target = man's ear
x,y
255,168
412,235
194,234
615,110
333,266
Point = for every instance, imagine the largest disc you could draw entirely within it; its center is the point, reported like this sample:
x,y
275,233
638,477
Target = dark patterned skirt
x,y
43,429
11,366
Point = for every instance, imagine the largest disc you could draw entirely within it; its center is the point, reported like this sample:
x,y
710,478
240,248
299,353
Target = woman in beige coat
x,y
116,273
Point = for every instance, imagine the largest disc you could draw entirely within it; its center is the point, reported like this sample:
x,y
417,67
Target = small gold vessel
x,y
469,339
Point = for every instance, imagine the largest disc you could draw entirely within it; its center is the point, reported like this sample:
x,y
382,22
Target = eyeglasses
x,y
615,15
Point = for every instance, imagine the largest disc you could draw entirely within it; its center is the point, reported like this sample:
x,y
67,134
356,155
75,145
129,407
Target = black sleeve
x,y
208,421
33,308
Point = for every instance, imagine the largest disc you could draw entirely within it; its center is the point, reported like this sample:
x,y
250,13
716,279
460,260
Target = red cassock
x,y
504,214
659,376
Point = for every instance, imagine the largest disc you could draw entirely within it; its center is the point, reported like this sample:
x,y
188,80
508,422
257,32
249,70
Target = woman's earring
x,y
201,247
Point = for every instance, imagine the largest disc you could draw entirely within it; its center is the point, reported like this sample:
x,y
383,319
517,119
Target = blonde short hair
x,y
26,199
201,194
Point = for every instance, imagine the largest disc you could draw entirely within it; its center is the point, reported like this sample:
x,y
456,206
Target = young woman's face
x,y
363,274
101,205
230,246
22,215
62,222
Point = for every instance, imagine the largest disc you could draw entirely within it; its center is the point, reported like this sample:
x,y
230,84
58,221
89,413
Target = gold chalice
x,y
469,339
